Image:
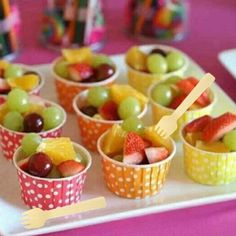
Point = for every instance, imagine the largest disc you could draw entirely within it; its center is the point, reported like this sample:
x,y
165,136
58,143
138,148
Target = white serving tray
x,y
178,192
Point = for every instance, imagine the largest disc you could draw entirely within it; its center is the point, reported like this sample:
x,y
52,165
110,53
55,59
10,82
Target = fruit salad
x,y
212,134
155,61
16,76
118,102
50,158
22,114
84,66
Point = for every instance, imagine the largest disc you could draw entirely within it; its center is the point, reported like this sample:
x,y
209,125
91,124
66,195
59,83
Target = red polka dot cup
x,y
68,89
46,193
91,128
10,140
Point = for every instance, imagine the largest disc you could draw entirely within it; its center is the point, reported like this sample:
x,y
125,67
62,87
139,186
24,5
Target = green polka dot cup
x,y
208,167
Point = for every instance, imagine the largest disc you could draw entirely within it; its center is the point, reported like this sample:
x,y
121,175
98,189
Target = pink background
x,y
211,30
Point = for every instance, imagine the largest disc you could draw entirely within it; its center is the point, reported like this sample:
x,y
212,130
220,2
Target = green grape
x,y
129,107
173,79
101,59
52,117
13,71
18,100
54,173
97,96
132,124
30,142
174,60
80,159
61,69
118,158
162,94
156,63
229,140
13,120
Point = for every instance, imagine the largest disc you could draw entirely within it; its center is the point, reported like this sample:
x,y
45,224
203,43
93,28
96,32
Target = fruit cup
x,y
49,193
71,82
10,140
134,181
91,128
213,166
140,78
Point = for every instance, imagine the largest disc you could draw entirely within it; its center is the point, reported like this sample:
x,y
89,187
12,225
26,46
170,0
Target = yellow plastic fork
x,y
36,218
168,124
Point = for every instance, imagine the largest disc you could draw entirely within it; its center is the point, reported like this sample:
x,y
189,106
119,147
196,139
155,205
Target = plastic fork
x,y
168,124
36,218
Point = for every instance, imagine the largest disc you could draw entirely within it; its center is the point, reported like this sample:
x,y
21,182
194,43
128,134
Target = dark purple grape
x,y
33,123
39,164
89,110
158,51
104,71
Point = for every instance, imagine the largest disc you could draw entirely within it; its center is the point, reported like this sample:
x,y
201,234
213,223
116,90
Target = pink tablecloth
x,y
211,30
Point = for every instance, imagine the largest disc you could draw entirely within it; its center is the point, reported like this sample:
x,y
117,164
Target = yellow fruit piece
x,y
217,146
114,140
120,91
58,149
25,82
3,111
4,64
35,108
193,137
150,134
81,55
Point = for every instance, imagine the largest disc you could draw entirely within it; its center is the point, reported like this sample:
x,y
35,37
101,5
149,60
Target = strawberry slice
x,y
70,168
80,71
218,127
109,111
198,125
134,147
155,154
4,86
23,164
177,101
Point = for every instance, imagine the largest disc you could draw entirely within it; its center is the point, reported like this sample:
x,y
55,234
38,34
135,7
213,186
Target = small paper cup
x,y
158,111
208,168
91,128
48,193
10,140
134,181
143,80
68,89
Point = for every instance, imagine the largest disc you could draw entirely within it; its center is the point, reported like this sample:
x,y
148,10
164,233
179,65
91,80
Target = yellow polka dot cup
x,y
134,181
67,89
143,80
92,128
158,111
208,168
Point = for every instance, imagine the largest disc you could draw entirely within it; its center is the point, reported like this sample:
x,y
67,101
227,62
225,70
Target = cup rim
x,y
45,131
198,149
165,48
121,164
79,84
79,113
80,147
212,92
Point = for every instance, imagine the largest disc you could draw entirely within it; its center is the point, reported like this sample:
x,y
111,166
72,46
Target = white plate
x,y
228,59
178,192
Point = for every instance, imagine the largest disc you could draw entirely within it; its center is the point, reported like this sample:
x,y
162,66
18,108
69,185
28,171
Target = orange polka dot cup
x,y
92,128
68,89
48,193
134,181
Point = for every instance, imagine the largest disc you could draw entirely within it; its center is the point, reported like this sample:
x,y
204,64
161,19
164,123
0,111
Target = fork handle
x,y
201,86
88,205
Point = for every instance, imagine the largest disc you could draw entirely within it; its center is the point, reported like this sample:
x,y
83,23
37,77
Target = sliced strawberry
x,y
198,125
4,87
2,99
155,154
134,147
80,71
23,164
70,168
147,143
177,101
218,127
109,111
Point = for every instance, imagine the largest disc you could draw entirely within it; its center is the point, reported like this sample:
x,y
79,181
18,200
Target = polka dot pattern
x,y
134,182
209,168
10,140
48,194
